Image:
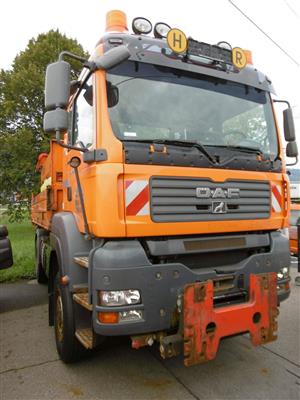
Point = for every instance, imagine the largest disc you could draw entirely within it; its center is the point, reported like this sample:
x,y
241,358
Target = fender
x,y
68,241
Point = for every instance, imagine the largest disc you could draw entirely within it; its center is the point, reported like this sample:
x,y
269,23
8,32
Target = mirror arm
x,y
67,146
91,65
294,163
71,55
282,101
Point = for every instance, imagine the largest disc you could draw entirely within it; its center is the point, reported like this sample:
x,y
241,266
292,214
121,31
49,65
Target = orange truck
x,y
164,201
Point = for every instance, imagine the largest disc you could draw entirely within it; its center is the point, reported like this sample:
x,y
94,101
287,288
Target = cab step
x,y
82,261
83,300
80,288
85,337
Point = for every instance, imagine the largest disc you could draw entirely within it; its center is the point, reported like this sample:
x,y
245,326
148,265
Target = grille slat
x,y
175,200
191,192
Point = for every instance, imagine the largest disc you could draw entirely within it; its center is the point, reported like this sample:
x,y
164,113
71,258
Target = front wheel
x,y
68,347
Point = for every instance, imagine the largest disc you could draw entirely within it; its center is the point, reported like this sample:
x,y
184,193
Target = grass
x,y
21,235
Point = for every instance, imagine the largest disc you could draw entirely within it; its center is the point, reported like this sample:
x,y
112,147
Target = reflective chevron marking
x,y
137,198
276,198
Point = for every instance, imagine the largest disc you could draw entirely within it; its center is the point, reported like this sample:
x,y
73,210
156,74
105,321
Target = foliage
x,y
21,236
21,115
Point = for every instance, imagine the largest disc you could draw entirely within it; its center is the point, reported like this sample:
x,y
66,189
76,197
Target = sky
x,y
209,21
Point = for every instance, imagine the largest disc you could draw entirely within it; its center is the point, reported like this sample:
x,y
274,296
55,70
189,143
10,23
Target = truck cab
x,y
164,198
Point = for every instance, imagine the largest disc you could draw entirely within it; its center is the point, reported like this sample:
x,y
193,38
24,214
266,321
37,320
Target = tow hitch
x,y
204,326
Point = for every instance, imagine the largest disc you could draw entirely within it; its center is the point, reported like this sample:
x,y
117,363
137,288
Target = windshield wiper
x,y
174,142
244,149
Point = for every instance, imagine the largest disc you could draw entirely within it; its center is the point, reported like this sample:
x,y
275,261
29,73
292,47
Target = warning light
x,y
248,54
116,21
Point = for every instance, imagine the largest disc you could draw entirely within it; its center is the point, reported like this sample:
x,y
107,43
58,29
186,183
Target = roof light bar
x,y
161,30
141,26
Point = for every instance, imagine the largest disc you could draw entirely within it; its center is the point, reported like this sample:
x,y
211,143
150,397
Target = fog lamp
x,y
161,30
141,25
132,315
112,298
283,273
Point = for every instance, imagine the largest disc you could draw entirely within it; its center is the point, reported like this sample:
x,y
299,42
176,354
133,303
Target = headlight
x,y
283,273
112,298
132,315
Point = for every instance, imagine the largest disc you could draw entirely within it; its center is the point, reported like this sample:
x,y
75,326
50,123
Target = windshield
x,y
148,102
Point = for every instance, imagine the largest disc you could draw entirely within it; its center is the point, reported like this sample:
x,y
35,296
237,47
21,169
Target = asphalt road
x,y
30,368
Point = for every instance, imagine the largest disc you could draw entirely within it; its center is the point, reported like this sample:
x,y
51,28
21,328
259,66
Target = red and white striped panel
x,y
137,198
276,198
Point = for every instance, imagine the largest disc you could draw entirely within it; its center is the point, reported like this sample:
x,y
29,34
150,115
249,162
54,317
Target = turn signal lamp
x,y
248,54
161,30
141,26
108,317
116,21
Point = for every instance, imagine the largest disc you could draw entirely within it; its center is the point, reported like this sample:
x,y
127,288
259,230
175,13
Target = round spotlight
x,y
161,30
74,162
141,25
225,45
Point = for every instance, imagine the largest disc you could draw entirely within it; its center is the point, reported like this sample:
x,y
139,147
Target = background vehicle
x,y
294,176
6,257
293,229
162,212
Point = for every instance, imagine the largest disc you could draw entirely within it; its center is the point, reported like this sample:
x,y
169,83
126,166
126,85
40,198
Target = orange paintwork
x,y
103,187
50,199
199,313
293,231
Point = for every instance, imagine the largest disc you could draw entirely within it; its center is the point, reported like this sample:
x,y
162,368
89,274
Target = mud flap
x,y
204,325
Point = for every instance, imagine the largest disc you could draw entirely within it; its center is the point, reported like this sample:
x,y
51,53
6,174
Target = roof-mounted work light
x,y
141,25
224,45
161,30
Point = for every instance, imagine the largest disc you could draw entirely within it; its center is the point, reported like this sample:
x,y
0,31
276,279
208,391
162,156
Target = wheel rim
x,y
59,316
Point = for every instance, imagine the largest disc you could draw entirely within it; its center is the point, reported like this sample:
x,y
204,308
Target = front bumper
x,y
119,265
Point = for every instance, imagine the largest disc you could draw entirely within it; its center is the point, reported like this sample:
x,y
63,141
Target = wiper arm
x,y
197,145
240,148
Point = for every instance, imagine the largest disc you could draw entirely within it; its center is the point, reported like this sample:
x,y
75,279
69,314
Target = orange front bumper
x,y
205,325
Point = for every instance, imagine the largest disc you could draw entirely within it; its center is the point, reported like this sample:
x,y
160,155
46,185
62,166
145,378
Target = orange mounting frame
x,y
205,325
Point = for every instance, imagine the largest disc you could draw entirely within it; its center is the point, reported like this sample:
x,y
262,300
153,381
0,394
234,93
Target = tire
x,y
68,347
40,273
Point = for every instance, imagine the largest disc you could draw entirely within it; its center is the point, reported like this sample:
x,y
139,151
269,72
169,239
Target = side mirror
x,y
112,58
6,258
292,149
57,85
112,94
56,121
288,124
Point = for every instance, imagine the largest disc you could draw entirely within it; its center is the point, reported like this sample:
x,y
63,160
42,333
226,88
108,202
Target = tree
x,y
21,114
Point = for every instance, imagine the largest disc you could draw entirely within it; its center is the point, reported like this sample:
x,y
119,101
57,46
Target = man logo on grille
x,y
219,207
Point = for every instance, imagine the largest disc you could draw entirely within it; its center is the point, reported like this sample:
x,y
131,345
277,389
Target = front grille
x,y
175,200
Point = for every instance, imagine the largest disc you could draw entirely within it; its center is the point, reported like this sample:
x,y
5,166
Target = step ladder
x,y
82,261
80,296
